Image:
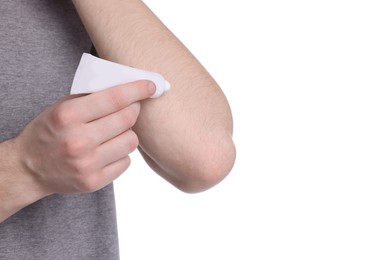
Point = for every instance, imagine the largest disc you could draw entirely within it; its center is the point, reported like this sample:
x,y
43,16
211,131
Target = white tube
x,y
94,74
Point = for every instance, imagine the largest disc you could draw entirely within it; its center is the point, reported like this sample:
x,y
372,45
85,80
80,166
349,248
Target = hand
x,y
82,143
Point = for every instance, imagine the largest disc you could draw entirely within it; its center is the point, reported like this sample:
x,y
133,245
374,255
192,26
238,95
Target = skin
x,y
185,135
70,148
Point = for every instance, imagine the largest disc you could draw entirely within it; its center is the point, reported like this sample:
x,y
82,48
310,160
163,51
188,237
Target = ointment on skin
x,y
94,74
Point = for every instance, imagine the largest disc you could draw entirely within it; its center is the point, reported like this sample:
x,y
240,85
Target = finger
x,y
116,148
112,171
105,102
106,175
110,126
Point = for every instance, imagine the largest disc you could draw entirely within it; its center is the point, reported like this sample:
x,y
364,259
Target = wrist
x,y
18,188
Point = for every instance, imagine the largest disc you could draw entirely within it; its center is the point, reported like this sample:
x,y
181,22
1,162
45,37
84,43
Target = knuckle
x,y
82,167
136,108
133,141
117,98
63,115
88,184
128,116
126,163
75,146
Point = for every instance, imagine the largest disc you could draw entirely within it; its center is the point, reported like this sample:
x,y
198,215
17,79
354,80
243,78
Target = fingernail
x,y
151,88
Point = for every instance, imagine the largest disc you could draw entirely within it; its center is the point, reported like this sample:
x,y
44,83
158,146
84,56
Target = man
x,y
60,153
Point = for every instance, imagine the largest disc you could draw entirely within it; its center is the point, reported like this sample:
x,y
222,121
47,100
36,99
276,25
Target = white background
x,y
308,83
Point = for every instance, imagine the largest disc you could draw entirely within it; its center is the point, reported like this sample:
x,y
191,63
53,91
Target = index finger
x,y
108,101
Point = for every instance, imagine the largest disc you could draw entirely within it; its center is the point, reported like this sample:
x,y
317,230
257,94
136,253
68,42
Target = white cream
x,y
94,74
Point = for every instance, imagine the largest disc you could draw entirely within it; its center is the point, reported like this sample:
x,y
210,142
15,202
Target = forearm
x,y
185,135
17,190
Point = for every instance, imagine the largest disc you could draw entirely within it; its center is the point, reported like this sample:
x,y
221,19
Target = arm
x,y
17,189
186,135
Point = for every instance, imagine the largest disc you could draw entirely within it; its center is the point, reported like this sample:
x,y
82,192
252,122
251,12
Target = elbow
x,y
211,165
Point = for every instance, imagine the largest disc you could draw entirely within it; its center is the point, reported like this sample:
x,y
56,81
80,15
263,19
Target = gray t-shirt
x,y
41,42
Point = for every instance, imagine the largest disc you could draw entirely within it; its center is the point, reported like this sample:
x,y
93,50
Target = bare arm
x,y
16,188
186,135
